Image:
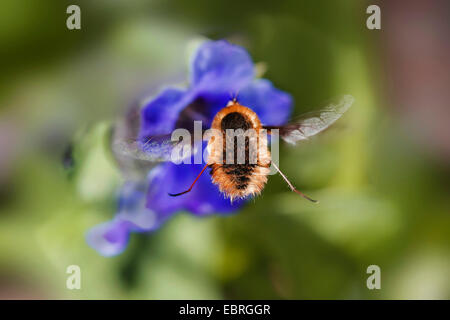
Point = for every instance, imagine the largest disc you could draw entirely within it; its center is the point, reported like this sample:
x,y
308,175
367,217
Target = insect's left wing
x,y
314,122
152,149
136,156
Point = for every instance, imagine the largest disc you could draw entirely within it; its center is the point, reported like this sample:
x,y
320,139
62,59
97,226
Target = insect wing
x,y
314,122
152,149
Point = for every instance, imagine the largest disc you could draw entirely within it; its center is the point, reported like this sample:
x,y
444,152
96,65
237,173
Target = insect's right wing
x,y
314,122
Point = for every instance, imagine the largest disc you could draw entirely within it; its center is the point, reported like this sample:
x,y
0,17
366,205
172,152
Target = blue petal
x,y
204,198
221,66
213,103
273,106
160,115
109,238
132,208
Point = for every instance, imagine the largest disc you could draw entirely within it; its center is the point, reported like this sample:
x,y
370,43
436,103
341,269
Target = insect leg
x,y
192,185
291,186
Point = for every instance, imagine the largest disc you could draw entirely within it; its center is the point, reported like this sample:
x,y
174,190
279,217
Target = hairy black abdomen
x,y
239,173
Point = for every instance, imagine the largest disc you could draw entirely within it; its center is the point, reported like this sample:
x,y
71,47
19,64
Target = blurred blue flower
x,y
218,69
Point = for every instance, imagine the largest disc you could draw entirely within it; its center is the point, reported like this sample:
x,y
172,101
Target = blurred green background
x,y
381,174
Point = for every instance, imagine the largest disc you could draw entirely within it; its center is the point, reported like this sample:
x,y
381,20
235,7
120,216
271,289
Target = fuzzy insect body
x,y
246,176
235,179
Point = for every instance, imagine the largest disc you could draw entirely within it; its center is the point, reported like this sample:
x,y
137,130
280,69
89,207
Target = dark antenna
x,y
292,187
192,185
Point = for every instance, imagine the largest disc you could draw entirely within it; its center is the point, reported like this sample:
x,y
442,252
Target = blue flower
x,y
218,69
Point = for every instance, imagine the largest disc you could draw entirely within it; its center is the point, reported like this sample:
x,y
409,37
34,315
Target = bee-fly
x,y
241,179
